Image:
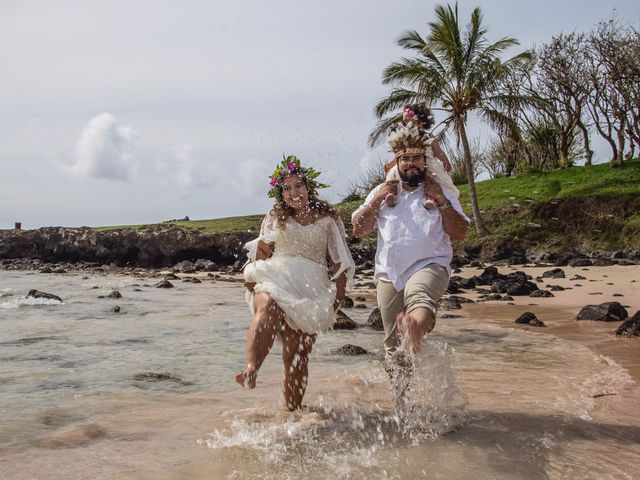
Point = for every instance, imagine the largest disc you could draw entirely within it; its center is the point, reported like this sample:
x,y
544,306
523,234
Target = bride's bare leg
x,y
296,347
268,318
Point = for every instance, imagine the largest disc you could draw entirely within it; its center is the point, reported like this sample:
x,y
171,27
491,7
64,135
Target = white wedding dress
x,y
296,274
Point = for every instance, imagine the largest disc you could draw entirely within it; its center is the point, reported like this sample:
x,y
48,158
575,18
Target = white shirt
x,y
410,236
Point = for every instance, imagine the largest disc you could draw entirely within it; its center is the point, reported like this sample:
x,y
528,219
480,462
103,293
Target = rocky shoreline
x,y
165,246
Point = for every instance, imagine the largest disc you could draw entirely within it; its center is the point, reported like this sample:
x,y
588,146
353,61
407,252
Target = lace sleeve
x,y
268,233
339,251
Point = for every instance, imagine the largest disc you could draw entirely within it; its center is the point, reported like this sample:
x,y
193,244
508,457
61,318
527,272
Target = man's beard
x,y
412,179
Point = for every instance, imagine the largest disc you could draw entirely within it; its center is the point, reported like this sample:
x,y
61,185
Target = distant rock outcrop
x,y
157,246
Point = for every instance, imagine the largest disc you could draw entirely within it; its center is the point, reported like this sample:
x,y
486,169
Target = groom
x,y
414,250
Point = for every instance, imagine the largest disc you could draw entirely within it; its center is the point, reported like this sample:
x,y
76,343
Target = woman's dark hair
x,y
424,114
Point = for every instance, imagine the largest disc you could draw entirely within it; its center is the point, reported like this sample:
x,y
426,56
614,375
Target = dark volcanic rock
x,y
450,304
630,327
605,312
161,245
38,294
580,262
115,309
347,302
343,322
164,284
541,293
529,318
459,299
375,319
555,273
349,349
115,294
159,377
184,267
555,288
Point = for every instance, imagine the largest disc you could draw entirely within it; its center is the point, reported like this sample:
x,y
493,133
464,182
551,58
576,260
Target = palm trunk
x,y
481,228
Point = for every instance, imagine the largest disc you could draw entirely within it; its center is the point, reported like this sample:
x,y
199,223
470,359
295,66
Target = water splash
x,y
19,302
348,431
429,402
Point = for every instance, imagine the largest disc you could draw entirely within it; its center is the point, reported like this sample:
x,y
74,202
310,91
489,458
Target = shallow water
x,y
485,402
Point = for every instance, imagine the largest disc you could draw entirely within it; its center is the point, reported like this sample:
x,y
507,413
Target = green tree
x,y
454,72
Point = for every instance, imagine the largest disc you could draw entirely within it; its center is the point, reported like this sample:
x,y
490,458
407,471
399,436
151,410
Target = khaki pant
x,y
423,290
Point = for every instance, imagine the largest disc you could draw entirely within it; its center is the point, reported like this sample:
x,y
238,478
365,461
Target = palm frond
x,y
398,98
407,72
382,127
411,40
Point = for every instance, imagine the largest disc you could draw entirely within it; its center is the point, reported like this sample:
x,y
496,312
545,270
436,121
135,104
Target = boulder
x,y
164,284
556,288
349,349
375,319
459,299
541,294
115,294
343,322
580,262
347,302
204,265
450,304
115,309
38,294
184,267
630,327
555,273
605,312
528,318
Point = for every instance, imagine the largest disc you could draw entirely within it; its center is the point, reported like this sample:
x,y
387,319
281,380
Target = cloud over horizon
x,y
105,149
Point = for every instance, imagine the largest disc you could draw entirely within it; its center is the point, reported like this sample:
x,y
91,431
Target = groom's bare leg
x,y
418,323
267,319
296,347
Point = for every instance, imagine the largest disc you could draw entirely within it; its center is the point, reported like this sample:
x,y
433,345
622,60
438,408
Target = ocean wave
x,y
20,302
610,381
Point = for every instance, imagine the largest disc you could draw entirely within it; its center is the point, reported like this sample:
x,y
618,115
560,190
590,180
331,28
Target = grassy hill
x,y
596,207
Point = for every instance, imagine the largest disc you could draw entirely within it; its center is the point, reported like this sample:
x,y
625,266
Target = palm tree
x,y
455,74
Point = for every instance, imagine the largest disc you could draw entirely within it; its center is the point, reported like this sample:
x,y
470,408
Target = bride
x,y
289,290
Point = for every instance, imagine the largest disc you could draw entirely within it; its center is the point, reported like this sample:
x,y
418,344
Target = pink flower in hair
x,y
273,181
292,166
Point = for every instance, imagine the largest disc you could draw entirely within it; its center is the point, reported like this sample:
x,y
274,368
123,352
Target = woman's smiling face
x,y
295,192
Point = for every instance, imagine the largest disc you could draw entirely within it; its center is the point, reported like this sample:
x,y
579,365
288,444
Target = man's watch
x,y
446,204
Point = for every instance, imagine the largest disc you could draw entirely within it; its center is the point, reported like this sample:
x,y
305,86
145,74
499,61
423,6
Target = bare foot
x,y
247,377
390,200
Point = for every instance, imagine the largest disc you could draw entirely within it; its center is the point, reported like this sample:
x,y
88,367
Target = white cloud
x,y
186,170
105,150
250,178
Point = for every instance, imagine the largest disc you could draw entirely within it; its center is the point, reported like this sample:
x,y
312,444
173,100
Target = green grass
x,y
217,225
507,205
523,189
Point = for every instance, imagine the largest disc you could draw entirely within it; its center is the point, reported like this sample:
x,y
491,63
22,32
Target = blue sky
x,y
140,111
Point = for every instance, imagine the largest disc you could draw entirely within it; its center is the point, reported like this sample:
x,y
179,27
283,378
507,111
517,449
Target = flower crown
x,y
290,165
